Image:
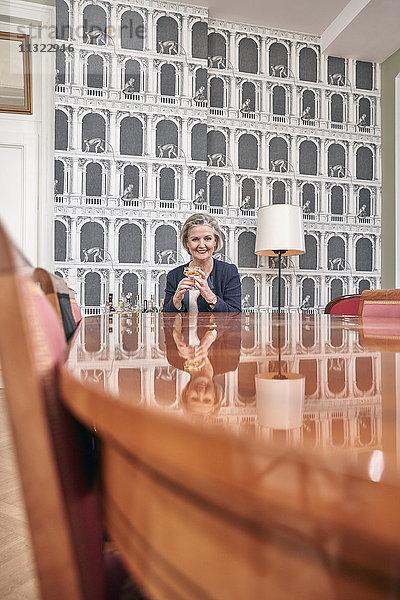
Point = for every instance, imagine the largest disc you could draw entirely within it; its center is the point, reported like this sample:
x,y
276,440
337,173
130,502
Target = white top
x,y
193,337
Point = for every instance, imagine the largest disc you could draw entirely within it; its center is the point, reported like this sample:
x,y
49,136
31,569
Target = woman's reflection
x,y
204,347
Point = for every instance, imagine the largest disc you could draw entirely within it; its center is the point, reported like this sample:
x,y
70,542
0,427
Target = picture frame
x,y
15,73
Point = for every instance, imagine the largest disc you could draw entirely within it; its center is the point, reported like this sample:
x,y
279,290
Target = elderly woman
x,y
204,284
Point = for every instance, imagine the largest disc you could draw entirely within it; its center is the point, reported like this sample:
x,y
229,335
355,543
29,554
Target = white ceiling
x,y
363,29
309,16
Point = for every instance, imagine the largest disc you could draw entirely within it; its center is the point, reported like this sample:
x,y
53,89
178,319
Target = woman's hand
x,y
184,350
200,283
208,339
184,285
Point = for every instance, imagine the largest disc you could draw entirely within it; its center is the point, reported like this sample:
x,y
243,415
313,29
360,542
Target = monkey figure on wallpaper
x,y
245,108
362,212
306,303
167,151
280,164
96,253
246,204
168,47
128,193
306,115
199,197
216,160
95,36
279,70
129,86
199,95
246,301
96,144
336,171
336,263
362,121
169,255
274,262
216,62
336,79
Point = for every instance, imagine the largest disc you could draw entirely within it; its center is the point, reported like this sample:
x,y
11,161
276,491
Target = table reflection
x,y
207,366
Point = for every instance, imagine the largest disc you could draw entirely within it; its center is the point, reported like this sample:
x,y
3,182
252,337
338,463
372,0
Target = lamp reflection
x,y
280,400
376,465
280,395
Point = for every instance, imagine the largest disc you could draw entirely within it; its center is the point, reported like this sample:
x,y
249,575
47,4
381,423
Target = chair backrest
x,y
76,311
58,293
344,305
380,334
380,303
61,507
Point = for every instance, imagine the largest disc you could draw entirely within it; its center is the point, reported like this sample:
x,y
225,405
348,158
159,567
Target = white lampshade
x,y
280,227
279,402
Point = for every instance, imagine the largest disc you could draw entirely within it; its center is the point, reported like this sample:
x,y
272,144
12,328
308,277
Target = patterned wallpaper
x,y
161,112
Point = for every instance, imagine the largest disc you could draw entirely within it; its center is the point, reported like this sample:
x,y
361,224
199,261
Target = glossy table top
x,y
306,409
324,384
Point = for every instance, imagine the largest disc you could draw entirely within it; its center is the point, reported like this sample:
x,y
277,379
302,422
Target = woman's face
x,y
201,395
201,242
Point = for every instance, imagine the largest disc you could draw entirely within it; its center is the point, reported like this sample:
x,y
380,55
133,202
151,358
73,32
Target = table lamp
x,y
280,232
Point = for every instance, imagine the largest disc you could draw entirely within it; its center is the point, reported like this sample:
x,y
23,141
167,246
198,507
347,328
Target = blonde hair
x,y
201,219
218,395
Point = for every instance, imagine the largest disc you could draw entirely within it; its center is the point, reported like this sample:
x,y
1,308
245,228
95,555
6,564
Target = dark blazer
x,y
223,280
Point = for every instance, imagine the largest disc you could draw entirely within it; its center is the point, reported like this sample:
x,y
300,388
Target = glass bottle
x,y
153,306
109,304
136,306
128,302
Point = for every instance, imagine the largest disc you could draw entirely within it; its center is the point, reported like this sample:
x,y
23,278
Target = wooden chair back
x,y
61,505
344,305
58,294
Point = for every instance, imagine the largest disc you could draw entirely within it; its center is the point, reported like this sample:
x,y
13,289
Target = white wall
x,y
390,171
27,141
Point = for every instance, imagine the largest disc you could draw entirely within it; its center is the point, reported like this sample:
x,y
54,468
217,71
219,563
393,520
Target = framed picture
x,y
15,73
